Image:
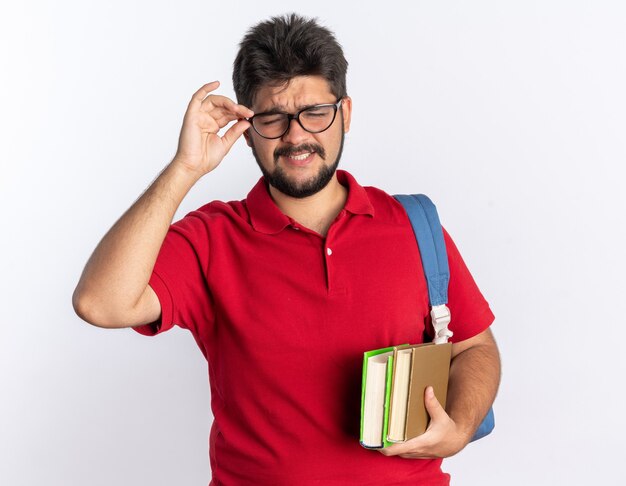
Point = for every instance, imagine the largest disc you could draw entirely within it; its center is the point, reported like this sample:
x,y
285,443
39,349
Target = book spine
x,y
387,400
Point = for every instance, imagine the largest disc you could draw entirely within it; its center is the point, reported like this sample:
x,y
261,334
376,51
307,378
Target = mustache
x,y
305,147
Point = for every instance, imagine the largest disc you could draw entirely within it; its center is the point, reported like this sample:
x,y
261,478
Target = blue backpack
x,y
429,234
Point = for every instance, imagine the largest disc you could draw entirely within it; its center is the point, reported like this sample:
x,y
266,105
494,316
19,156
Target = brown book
x,y
430,366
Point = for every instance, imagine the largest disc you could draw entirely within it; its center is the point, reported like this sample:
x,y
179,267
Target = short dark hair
x,y
276,50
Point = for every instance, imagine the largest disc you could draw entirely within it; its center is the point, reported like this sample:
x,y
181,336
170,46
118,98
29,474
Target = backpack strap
x,y
429,235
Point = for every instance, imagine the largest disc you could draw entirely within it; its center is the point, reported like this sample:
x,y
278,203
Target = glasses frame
x,y
296,116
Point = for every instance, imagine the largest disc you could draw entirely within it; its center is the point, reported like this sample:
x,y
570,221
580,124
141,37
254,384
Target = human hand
x,y
200,148
443,437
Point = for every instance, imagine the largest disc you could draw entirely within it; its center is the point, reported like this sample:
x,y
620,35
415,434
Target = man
x,y
285,290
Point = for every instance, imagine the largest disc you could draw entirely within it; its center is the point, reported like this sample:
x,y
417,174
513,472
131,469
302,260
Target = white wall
x,y
511,115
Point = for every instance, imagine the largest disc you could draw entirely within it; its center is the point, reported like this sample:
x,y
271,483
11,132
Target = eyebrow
x,y
283,109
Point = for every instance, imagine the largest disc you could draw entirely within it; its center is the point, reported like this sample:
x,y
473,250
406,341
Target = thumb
x,y
234,132
433,407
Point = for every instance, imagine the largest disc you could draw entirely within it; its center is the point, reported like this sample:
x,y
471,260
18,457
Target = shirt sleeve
x,y
470,312
179,278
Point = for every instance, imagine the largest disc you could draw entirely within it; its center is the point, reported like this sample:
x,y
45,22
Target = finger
x,y
433,407
201,94
407,455
395,449
416,447
224,117
202,121
388,451
234,132
224,104
207,122
217,101
243,111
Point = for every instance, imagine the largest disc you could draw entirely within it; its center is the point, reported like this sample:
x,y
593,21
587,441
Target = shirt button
x,y
329,251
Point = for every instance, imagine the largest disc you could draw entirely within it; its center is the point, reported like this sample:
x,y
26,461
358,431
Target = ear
x,y
246,135
346,110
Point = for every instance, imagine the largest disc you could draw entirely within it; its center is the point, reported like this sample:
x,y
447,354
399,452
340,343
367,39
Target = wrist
x,y
464,428
185,170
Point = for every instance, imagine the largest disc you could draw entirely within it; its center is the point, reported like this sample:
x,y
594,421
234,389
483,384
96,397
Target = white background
x,y
510,115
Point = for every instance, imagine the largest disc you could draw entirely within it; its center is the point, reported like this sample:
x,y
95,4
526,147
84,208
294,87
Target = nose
x,y
295,134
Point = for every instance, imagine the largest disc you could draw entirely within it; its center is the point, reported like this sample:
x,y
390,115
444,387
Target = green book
x,y
375,393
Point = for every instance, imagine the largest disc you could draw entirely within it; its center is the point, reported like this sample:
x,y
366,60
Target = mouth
x,y
299,159
300,156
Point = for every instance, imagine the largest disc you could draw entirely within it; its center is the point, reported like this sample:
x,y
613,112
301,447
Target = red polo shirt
x,y
283,316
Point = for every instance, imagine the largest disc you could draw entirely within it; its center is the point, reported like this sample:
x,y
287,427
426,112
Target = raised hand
x,y
200,148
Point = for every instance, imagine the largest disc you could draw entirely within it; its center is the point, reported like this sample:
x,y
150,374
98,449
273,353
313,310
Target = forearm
x,y
117,273
474,380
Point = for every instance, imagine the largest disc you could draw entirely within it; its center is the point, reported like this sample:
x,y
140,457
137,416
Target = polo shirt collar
x,y
358,201
265,216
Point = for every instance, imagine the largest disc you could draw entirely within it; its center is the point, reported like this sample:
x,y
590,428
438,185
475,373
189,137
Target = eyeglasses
x,y
313,119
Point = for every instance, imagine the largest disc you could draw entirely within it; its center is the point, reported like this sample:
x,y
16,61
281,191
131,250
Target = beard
x,y
281,181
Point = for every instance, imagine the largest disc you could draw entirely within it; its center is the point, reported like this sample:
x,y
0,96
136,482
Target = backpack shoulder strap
x,y
429,235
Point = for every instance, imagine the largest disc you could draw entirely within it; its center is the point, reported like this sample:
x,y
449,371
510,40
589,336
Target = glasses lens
x,y
317,118
272,125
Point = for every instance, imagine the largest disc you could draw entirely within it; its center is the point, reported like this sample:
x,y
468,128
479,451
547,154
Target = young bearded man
x,y
284,290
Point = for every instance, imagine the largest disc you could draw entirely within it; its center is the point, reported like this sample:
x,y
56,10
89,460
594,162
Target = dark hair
x,y
276,50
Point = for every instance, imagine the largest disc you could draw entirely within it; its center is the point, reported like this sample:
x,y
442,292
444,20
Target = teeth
x,y
301,156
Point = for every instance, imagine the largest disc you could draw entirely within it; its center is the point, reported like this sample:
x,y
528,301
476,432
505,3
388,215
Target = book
x,y
430,365
398,401
393,386
377,367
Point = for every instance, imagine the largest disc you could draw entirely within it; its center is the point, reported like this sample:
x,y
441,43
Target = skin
x,y
315,212
113,290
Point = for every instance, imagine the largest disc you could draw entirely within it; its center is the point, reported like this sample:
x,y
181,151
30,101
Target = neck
x,y
316,212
